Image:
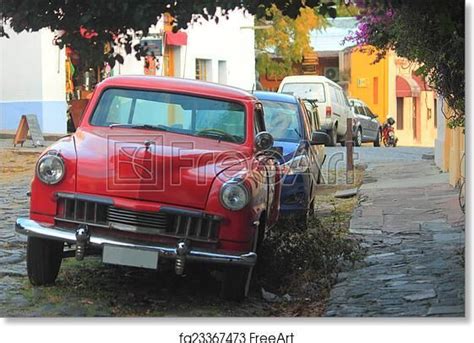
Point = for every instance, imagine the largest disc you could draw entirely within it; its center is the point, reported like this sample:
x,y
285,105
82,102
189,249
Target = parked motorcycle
x,y
388,133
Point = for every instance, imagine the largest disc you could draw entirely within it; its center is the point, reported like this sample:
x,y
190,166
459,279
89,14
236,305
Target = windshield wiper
x,y
142,126
298,133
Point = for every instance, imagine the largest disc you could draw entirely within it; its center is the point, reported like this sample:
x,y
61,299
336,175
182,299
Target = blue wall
x,y
51,114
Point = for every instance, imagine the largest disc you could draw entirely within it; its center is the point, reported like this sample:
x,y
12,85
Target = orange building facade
x,y
391,88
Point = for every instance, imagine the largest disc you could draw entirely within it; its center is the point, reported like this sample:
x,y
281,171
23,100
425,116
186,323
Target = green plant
x,y
289,256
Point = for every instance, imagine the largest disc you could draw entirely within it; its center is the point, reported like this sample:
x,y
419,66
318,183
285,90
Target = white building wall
x,y
20,66
231,40
53,82
32,80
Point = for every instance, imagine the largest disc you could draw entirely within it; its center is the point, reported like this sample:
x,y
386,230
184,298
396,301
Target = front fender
x,y
43,202
240,226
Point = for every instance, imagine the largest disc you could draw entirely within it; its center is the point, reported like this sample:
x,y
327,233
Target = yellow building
x,y
391,89
450,147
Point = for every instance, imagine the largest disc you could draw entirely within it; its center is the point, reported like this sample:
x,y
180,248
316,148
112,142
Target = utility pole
x,y
349,153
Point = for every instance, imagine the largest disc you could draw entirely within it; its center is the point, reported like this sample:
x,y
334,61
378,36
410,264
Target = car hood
x,y
151,165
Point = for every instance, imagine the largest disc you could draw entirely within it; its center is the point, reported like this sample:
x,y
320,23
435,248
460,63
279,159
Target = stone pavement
x,y
410,222
13,203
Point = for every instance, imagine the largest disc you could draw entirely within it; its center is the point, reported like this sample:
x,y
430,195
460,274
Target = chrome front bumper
x,y
30,227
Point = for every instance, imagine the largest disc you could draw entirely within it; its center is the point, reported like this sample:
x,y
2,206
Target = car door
x,y
364,120
372,122
359,115
338,110
269,167
317,152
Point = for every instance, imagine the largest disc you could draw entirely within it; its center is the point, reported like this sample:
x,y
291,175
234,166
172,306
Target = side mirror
x,y
263,141
319,138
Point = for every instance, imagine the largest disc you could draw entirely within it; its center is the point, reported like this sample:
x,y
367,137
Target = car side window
x,y
310,121
315,113
340,97
369,112
332,90
312,115
358,109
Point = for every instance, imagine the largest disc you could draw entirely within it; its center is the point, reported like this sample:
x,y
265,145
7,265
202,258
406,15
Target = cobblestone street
x,y
411,224
13,203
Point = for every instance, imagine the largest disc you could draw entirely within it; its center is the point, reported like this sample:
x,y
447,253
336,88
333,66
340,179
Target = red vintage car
x,y
160,170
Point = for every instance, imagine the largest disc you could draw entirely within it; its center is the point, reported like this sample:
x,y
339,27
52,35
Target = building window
x,y
203,69
435,112
376,90
400,113
222,70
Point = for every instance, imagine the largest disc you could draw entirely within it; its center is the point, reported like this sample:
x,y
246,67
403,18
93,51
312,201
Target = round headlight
x,y
234,196
50,169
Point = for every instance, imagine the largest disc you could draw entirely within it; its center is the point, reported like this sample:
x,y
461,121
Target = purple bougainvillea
x,y
370,22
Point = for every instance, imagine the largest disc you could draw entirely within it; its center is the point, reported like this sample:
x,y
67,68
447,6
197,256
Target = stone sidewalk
x,y
411,224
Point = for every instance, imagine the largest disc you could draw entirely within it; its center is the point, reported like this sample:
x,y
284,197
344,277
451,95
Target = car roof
x,y
272,96
175,84
357,100
309,78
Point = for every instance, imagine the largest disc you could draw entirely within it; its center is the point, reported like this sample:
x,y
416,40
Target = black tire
x,y
43,260
332,137
358,137
377,139
235,283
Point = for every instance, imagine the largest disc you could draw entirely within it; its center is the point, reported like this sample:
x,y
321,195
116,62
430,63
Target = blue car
x,y
294,125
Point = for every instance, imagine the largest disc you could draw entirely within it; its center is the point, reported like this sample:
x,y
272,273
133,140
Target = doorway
x,y
416,120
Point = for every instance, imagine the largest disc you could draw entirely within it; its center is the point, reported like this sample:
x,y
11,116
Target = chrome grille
x,y
151,220
73,210
82,212
204,228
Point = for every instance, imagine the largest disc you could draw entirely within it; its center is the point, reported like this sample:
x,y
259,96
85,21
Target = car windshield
x,y
311,91
184,114
282,120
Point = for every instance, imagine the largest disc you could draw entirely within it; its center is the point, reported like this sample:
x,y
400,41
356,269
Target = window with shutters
x,y
400,113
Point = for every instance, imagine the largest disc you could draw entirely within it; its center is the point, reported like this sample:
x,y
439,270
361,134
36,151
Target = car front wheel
x,y
43,260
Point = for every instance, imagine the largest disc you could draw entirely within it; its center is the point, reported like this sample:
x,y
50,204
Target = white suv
x,y
334,108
